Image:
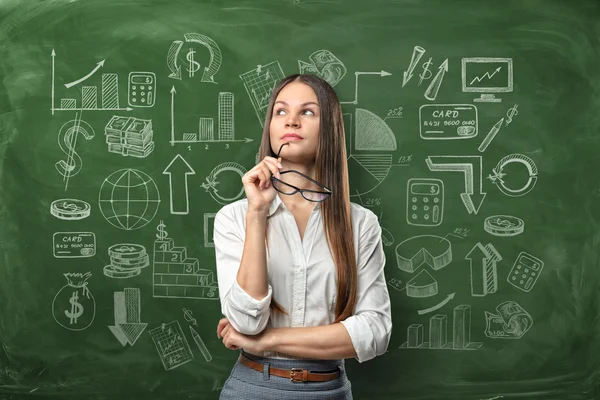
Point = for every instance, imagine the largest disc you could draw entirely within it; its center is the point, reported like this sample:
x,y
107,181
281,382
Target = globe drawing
x,y
128,199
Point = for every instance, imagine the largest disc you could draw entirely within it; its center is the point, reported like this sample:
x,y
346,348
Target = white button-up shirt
x,y
302,277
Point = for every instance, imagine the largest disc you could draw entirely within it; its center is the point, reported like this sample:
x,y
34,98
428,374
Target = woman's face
x,y
296,112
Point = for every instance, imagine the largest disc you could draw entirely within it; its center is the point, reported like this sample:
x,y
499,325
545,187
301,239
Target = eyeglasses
x,y
286,188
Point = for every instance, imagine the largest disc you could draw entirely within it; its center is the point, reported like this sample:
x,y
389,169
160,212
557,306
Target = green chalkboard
x,y
472,132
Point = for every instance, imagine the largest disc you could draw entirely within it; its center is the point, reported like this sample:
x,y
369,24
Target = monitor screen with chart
x,y
487,75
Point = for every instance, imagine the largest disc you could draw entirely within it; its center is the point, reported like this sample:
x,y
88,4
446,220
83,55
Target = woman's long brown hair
x,y
331,169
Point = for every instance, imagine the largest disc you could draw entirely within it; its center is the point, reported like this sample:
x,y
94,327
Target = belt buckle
x,y
293,374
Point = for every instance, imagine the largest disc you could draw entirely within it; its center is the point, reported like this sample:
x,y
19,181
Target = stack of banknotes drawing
x,y
129,136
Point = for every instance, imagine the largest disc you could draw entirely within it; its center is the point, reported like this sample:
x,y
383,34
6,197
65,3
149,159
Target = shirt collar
x,y
277,202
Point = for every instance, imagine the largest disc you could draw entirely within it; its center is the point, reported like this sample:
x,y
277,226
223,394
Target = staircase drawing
x,y
175,275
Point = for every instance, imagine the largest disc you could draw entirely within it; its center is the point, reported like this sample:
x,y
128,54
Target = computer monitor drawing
x,y
487,75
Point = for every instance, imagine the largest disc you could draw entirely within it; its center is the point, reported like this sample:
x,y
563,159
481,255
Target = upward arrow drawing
x,y
98,65
178,171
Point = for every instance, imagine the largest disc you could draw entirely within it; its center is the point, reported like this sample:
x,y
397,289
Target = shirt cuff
x,y
239,299
361,336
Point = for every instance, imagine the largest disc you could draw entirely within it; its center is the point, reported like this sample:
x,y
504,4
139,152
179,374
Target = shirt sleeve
x,y
245,313
370,328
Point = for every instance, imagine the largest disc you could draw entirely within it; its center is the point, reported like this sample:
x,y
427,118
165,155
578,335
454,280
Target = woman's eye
x,y
308,112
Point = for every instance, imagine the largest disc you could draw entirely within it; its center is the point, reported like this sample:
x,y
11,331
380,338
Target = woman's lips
x,y
291,137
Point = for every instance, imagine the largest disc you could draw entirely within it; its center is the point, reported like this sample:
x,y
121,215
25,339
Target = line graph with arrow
x,y
90,101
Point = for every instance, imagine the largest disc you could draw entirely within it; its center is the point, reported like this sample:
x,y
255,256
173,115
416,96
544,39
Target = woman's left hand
x,y
233,340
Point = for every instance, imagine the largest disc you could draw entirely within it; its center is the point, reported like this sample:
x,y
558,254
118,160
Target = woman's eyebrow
x,y
303,104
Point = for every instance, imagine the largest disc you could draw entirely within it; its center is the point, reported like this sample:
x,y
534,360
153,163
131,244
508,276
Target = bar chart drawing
x,y
206,125
109,93
438,332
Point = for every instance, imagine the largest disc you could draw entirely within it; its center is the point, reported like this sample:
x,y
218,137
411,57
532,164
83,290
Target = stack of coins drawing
x,y
129,136
70,209
126,260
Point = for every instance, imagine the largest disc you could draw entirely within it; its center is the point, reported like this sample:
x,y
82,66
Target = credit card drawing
x,y
448,121
74,244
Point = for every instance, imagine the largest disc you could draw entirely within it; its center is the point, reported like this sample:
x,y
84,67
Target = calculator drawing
x,y
424,202
525,271
141,90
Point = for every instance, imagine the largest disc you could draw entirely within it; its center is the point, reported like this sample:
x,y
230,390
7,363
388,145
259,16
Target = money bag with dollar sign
x,y
74,306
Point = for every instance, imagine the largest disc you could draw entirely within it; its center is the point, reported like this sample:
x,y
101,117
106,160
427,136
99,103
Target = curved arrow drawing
x,y
472,168
172,55
98,65
437,306
215,55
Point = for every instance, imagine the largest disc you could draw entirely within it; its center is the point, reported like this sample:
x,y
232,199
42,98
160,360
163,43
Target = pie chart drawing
x,y
371,136
435,251
422,285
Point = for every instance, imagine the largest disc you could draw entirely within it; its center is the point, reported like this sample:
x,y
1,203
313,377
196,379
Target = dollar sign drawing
x,y
194,65
70,206
162,234
76,308
424,75
125,248
432,190
67,138
510,113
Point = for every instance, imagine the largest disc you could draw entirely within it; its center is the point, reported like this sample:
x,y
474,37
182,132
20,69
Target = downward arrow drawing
x,y
172,55
471,166
418,52
178,171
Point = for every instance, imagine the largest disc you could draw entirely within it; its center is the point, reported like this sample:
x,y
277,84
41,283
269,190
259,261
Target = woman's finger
x,y
227,339
222,323
272,165
225,330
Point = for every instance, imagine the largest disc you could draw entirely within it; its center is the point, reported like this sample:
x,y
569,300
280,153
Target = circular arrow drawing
x,y
498,174
211,181
215,56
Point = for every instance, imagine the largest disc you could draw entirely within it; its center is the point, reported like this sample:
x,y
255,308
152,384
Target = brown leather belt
x,y
294,374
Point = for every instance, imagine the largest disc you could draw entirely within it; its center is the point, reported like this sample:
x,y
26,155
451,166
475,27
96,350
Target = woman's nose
x,y
292,121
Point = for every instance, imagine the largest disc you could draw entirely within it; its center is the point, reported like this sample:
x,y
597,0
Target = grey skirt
x,y
247,383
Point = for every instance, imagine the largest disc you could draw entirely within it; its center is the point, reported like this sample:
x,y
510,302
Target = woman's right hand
x,y
258,186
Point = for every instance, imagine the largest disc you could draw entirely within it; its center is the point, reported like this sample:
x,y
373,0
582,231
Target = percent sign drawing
x,y
67,140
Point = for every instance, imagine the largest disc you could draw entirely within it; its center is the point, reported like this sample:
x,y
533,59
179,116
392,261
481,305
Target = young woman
x,y
300,268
